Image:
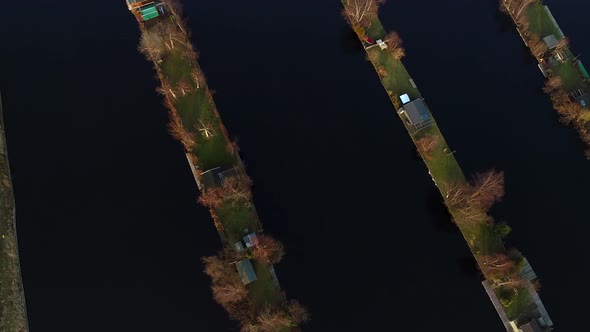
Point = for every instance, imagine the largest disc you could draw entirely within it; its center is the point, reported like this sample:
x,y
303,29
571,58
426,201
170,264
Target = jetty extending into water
x,y
512,291
13,314
219,174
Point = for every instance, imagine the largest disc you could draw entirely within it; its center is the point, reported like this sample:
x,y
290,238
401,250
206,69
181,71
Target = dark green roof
x,y
150,11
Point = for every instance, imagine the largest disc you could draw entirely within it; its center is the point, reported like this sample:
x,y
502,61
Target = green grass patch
x,y
397,80
570,76
540,22
236,216
263,291
176,68
376,30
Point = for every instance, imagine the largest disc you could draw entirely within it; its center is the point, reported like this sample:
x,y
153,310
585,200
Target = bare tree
x,y
152,45
562,44
268,250
177,130
537,46
268,320
361,12
497,264
553,84
426,145
231,290
298,312
394,45
488,188
233,189
206,130
455,194
568,111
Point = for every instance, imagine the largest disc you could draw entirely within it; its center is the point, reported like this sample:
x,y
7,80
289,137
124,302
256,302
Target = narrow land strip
x,y
568,81
512,291
13,315
243,278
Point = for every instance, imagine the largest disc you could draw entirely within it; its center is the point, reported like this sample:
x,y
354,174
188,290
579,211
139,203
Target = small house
x,y
251,240
416,114
404,98
246,271
211,178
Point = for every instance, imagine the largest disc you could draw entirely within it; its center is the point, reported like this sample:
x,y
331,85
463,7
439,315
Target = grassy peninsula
x,y
243,278
509,279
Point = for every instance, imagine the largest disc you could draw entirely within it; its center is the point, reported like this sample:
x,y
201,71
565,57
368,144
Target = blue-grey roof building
x,y
246,271
416,114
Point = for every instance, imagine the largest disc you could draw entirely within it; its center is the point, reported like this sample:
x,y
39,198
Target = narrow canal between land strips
x,y
110,234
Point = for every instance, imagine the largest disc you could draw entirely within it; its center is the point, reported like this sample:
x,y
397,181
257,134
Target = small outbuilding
x,y
381,44
246,271
416,114
550,41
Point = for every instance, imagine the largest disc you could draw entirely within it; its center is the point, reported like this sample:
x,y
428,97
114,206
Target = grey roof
x,y
211,178
531,326
228,174
417,112
550,41
246,271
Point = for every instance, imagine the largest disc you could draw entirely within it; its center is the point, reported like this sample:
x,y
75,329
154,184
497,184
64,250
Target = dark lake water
x,y
110,234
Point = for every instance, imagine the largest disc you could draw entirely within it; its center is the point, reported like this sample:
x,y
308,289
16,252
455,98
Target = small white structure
x,y
404,98
381,44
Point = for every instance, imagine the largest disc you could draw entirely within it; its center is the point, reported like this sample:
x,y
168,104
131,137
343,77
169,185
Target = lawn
x,y
197,109
441,163
236,217
540,22
263,291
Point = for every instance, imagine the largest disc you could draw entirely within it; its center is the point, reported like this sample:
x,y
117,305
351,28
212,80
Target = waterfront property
x,y
568,79
215,164
516,304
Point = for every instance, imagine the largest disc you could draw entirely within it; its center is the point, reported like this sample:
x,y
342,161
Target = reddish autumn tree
x,y
537,46
268,250
298,312
426,145
361,12
497,264
488,188
553,84
226,284
394,45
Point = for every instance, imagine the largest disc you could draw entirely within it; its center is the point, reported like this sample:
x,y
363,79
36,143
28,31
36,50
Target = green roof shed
x,y
148,12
